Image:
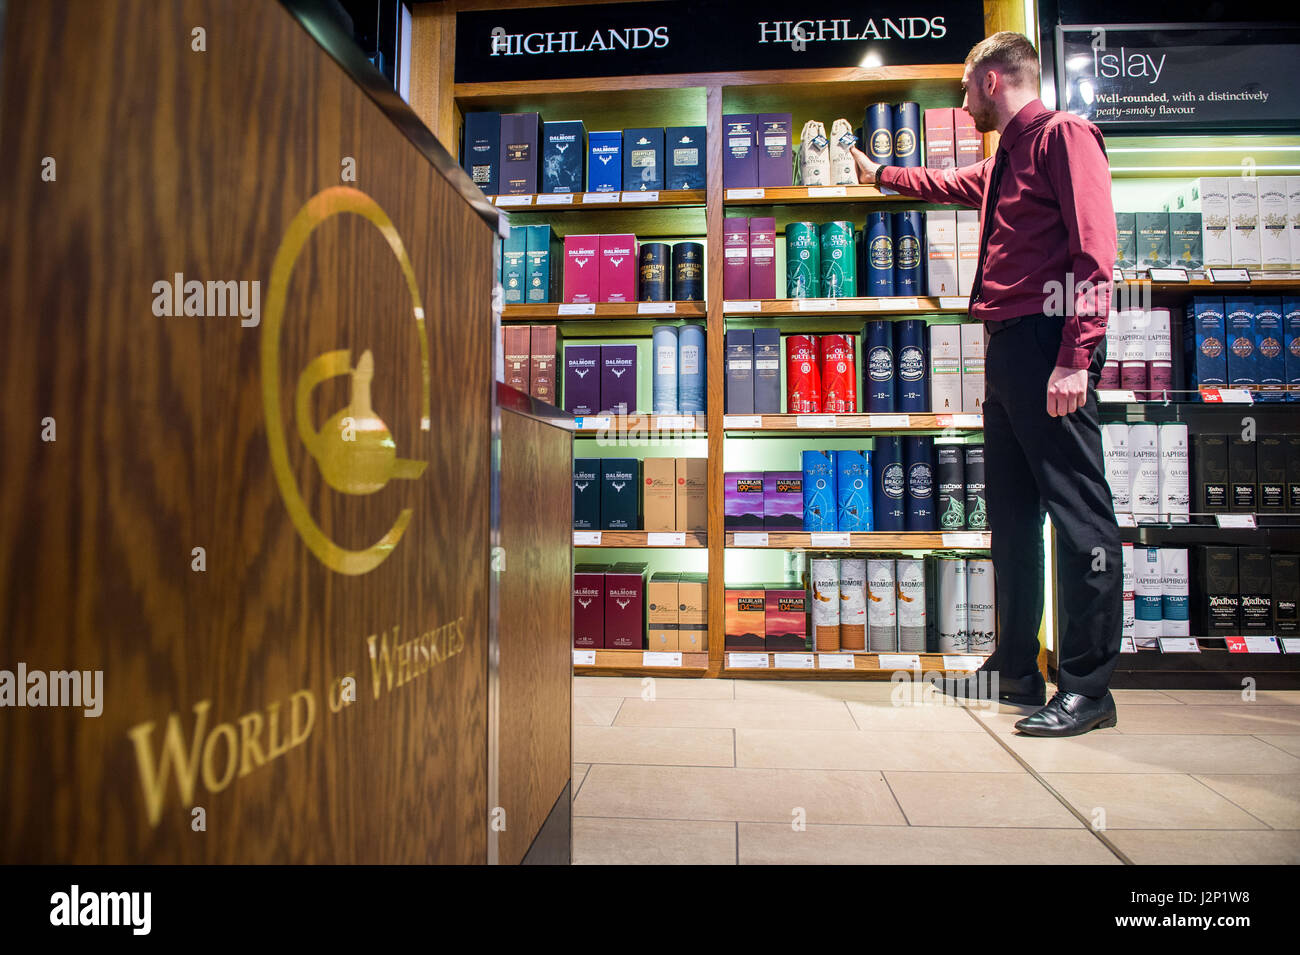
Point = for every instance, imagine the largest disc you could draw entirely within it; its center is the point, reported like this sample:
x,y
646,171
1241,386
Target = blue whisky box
x,y
605,161
820,501
1205,343
685,157
620,494
767,371
1270,359
586,494
1239,318
740,371
853,490
480,155
887,483
1291,345
564,151
643,160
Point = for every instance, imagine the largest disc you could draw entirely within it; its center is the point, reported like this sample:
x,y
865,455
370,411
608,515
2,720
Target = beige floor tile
x,y
652,842
1272,798
655,745
1101,752
579,774
813,690
828,715
1149,697
1150,847
595,710
916,752
754,795
1012,800
881,716
918,845
1289,743
1232,697
1149,801
665,688
1256,718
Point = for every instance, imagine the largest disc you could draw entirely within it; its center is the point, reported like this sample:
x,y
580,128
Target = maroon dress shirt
x,y
1051,248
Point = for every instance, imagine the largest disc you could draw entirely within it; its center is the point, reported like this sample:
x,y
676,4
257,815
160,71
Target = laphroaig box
x,y
693,612
625,606
783,500
745,618
586,494
662,620
785,627
742,501
941,247
589,606
564,149
1274,234
620,488
659,507
972,368
1243,204
605,161
1204,341
643,160
582,268
692,500
686,157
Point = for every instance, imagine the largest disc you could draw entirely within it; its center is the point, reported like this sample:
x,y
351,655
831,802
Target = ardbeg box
x,y
1286,593
785,625
620,487
1292,475
1218,599
541,363
686,157
767,371
586,494
1153,240
739,155
745,618
625,606
564,149
740,371
1126,232
1243,477
605,161
481,154
1270,474
1255,580
775,158
1210,473
742,501
589,606
1185,240
643,160
783,500
521,135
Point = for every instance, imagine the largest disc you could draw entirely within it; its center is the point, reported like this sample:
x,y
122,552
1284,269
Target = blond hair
x,y
1010,54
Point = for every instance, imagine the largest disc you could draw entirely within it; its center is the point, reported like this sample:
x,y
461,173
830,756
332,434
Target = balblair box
x,y
745,619
564,149
589,606
582,379
659,508
940,148
775,159
618,379
1210,493
739,156
582,268
620,486
742,501
783,500
1216,219
481,155
687,157
1126,232
767,371
740,371
1153,240
1204,337
520,155
785,625
643,160
617,281
692,501
1185,240
1239,316
625,607
586,494
541,377
605,161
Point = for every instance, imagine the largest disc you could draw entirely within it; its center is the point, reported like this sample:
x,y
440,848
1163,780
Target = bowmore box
x,y
586,494
620,491
617,273
1204,337
581,268
643,160
1239,317
589,606
618,374
1291,345
582,379
564,150
1270,361
625,606
480,156
775,156
521,135
605,161
1243,206
743,501
783,500
686,157
739,155
1274,234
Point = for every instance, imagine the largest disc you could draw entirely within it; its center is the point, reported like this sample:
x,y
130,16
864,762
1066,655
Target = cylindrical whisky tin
x,y
803,390
878,130
664,381
878,375
951,603
653,262
918,460
824,575
837,375
691,376
882,606
908,228
907,134
909,573
802,260
981,620
853,604
879,254
950,481
887,483
838,268
688,272
977,516
913,392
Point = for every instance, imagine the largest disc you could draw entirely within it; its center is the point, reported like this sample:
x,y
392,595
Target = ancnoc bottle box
x,y
775,158
643,160
977,518
586,494
739,155
950,481
520,138
950,605
605,161
564,151
620,485
687,157
981,615
481,154
740,371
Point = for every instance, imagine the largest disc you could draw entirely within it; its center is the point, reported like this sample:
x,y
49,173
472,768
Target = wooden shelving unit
x,y
913,305
870,540
836,424
558,203
561,312
630,663
613,539
801,195
864,664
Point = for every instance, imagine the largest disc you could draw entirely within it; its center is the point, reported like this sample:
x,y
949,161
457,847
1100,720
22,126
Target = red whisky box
x,y
516,347
839,390
968,140
785,626
625,607
745,617
940,146
618,268
582,268
589,606
541,375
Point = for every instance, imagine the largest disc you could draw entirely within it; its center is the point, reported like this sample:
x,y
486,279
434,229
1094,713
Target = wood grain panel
x,y
715,375
535,613
175,161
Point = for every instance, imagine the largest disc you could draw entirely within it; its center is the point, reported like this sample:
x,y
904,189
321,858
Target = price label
x,y
964,539
1126,645
747,661
827,192
656,308
1291,644
835,661
675,423
792,661
827,539
751,305
906,303
1116,275
1168,275
1125,520
584,658
641,196
586,538
1179,645
514,200
651,658
1116,397
817,304
742,421
745,193
656,539
1262,645
589,423
900,661
1240,396
1228,275
947,301
872,304
749,539
889,421
576,308
1236,644
815,421
1237,521
962,662
590,198
968,421
555,199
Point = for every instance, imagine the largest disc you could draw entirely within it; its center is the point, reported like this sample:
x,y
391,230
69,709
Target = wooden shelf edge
x,y
863,540
609,540
667,199
925,305
604,311
855,423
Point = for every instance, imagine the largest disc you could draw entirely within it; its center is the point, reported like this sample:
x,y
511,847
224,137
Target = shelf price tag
x,y
1168,275
576,308
889,421
584,658
900,661
737,307
586,538
962,661
1228,275
1236,521
676,422
641,196
956,302
906,303
1126,645
588,198
828,539
745,193
1262,645
1116,275
747,661
652,658
1179,645
749,539
1125,520
815,421
964,539
656,539
792,661
827,192
656,308
742,421
968,421
1214,396
1291,644
817,304
835,661
514,200
555,199
592,423
1110,397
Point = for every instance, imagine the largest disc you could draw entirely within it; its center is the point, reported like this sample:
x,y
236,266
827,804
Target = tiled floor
x,y
765,771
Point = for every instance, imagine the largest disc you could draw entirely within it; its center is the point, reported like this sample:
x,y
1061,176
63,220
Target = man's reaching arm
x,y
963,187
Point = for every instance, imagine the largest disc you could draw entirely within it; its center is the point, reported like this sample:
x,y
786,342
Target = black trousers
x,y
1036,464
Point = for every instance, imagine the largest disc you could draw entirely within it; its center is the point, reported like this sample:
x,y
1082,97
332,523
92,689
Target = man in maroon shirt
x,y
1042,290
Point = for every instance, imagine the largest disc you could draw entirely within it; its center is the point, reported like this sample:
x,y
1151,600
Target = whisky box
x,y
1210,487
1239,319
735,258
663,382
740,371
1286,593
820,500
542,252
618,373
1110,369
1243,205
1291,345
1134,350
839,273
514,267
909,592
783,500
1270,475
691,367
739,155
1216,221
945,368
692,499
882,606
1274,234
564,153
838,379
693,612
1175,490
620,493
1243,476
1114,453
686,157
1148,625
581,268
1126,233
802,260
1255,581
877,254
1152,240
744,619
1270,360
617,273
785,623
878,133
643,160
972,368
981,607
582,379
520,154
1204,342
688,271
1144,472
516,348
1293,217
625,606
1128,602
480,156
950,486
541,376
803,388
775,154
586,494
887,483
1217,603
662,620
1174,616
879,373
968,140
743,501
1292,441
589,606
951,617
654,272
659,501
977,518
941,251
767,371
853,490
825,605
853,606
762,257
913,382
940,147
907,134
968,249
605,161
918,462
1185,240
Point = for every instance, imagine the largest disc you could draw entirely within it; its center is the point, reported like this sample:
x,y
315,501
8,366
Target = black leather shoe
x,y
1070,714
1020,691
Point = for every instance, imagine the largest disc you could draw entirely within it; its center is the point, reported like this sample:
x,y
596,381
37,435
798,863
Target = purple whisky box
x,y
618,379
785,620
775,158
762,257
742,501
739,152
783,500
735,258
582,379
521,136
